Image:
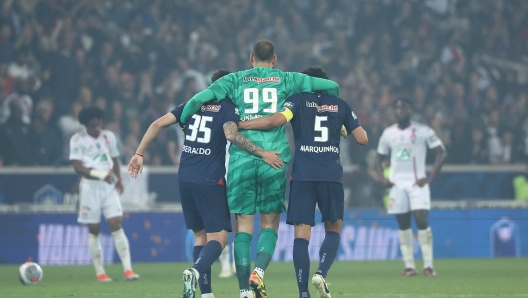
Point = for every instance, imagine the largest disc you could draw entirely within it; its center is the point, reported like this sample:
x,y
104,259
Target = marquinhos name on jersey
x,y
319,149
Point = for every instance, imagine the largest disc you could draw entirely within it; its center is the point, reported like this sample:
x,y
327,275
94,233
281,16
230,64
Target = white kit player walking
x,y
407,143
93,153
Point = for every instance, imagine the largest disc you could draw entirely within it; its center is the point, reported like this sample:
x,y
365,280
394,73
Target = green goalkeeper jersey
x,y
260,92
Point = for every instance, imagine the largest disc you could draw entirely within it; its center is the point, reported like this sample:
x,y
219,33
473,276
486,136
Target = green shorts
x,y
254,186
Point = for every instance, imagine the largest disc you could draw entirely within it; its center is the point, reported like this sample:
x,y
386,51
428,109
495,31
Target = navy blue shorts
x,y
329,196
205,207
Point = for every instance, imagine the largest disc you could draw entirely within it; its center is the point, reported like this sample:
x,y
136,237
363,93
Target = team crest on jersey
x,y
98,145
288,105
327,108
413,136
211,108
274,80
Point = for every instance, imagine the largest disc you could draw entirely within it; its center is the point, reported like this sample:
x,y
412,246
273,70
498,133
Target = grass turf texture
x,y
456,278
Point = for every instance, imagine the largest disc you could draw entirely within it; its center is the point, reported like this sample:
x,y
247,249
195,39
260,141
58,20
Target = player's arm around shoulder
x,y
266,123
234,136
135,166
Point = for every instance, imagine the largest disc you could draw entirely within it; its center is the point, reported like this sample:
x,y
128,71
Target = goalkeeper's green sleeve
x,y
194,104
329,86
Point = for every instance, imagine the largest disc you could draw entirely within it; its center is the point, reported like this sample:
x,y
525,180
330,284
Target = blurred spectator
x,y
25,103
457,60
19,142
68,126
50,144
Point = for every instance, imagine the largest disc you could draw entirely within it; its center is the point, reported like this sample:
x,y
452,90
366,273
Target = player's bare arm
x,y
264,123
117,173
379,170
232,135
360,135
91,173
135,166
440,155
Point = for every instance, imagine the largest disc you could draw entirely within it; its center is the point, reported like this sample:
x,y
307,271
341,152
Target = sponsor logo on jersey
x,y
403,154
274,80
211,108
323,108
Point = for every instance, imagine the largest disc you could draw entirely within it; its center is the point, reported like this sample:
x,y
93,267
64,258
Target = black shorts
x,y
205,207
329,196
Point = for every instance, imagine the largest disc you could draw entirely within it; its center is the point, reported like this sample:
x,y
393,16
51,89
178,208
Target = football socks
x,y
425,237
328,252
242,259
207,257
123,249
96,251
266,247
406,247
301,262
205,277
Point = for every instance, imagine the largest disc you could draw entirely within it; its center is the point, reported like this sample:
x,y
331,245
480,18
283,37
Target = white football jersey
x,y
95,153
408,149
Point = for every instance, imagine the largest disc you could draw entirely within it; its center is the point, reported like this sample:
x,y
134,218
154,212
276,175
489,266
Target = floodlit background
x,y
464,65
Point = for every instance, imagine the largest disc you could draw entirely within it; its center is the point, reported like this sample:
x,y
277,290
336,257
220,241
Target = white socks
x,y
122,247
96,251
406,247
260,272
208,295
246,294
425,237
224,258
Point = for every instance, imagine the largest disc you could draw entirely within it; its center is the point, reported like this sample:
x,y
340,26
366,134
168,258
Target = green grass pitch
x,y
456,278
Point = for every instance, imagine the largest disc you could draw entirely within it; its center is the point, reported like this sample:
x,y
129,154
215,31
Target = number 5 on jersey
x,y
320,128
200,125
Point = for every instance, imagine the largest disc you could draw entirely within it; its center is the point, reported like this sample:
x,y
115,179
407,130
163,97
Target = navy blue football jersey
x,y
317,120
204,149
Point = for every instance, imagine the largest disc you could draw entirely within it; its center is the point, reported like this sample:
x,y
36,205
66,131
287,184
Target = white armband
x,y
101,175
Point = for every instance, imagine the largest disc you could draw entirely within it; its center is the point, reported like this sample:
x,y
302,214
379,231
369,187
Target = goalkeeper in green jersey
x,y
252,185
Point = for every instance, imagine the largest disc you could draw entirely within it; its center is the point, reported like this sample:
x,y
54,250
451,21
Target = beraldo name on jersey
x,y
193,150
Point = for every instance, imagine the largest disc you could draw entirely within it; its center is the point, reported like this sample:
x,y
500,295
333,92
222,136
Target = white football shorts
x,y
405,198
96,196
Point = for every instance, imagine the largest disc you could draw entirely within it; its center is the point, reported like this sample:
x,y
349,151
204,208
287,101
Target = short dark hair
x,y
218,74
89,113
405,100
263,50
315,71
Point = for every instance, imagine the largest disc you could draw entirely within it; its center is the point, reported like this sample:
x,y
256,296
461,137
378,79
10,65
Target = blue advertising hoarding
x,y
57,239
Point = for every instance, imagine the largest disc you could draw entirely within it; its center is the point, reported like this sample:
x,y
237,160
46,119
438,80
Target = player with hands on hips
x,y
407,142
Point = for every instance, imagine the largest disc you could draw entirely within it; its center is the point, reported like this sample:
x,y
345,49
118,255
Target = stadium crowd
x,y
463,64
